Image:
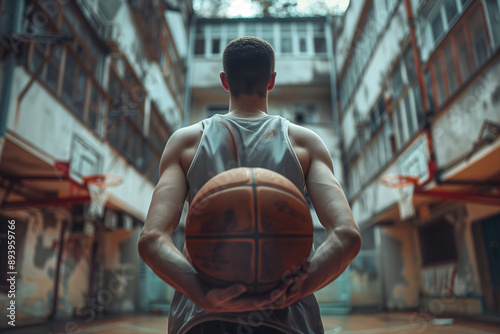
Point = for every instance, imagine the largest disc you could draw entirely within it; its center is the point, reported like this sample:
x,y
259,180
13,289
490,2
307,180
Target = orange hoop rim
x,y
399,181
103,180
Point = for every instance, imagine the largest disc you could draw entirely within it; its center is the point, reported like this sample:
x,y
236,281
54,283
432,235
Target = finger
x,y
279,294
231,292
307,266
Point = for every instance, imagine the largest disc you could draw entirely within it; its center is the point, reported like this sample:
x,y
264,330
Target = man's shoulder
x,y
303,135
186,136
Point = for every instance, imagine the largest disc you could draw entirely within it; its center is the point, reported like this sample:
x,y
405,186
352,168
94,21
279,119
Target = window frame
x,y
462,24
89,118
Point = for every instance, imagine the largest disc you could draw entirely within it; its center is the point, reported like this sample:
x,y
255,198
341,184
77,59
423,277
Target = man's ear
x,y
223,81
272,81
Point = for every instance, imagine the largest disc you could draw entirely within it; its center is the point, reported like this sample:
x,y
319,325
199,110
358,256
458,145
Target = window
x,y
493,12
451,10
302,36
199,44
437,26
158,136
437,243
305,113
268,33
286,38
439,80
231,32
406,99
319,38
478,36
73,71
216,37
459,56
151,25
449,62
362,48
410,64
74,84
126,114
250,29
397,82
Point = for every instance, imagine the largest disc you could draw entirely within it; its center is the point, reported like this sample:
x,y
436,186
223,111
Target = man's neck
x,y
247,106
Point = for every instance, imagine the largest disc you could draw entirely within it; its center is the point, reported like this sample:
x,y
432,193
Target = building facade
x,y
418,95
88,87
407,87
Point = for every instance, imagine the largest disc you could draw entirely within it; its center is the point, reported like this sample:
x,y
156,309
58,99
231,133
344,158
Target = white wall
x,y
455,132
290,71
129,42
48,126
384,57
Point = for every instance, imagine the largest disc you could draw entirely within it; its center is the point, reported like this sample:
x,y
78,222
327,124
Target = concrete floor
x,y
376,323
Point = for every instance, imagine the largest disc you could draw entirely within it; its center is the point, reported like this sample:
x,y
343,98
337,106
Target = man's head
x,y
248,66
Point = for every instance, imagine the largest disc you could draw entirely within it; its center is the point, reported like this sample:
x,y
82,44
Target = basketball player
x,y
247,137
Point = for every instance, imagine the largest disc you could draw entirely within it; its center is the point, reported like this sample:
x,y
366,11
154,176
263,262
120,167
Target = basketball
x,y
250,226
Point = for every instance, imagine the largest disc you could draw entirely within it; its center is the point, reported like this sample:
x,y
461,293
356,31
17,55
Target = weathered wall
x,y
120,270
38,235
48,126
129,42
456,287
399,265
384,56
455,132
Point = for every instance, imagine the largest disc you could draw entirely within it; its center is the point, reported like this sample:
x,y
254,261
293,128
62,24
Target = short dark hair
x,y
248,63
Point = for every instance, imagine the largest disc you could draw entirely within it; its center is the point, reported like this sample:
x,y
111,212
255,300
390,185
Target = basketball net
x,y
405,202
405,186
98,198
99,195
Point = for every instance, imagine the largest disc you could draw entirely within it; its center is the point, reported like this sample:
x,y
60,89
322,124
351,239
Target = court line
x,y
469,330
376,331
98,329
143,329
139,329
407,327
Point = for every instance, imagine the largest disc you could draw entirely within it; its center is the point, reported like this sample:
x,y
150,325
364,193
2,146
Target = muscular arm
x,y
156,247
343,239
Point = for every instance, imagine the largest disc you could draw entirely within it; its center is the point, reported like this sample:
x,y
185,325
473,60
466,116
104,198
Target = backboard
x,y
84,160
415,160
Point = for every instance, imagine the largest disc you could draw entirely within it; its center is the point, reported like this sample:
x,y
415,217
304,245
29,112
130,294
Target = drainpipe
x,y
189,62
12,29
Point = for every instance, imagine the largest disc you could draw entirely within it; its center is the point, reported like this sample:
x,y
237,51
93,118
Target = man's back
x,y
227,142
300,139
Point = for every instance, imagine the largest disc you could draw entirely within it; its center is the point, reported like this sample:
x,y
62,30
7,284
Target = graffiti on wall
x,y
440,281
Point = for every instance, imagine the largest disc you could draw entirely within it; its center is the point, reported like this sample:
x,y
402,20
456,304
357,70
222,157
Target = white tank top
x,y
230,142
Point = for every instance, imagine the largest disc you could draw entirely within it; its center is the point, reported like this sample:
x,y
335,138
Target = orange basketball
x,y
250,226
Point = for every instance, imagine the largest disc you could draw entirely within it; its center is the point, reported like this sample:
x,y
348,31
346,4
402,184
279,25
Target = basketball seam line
x,y
231,282
249,236
253,185
256,230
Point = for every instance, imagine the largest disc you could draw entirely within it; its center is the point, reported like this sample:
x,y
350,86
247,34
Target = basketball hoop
x,y
405,184
97,185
